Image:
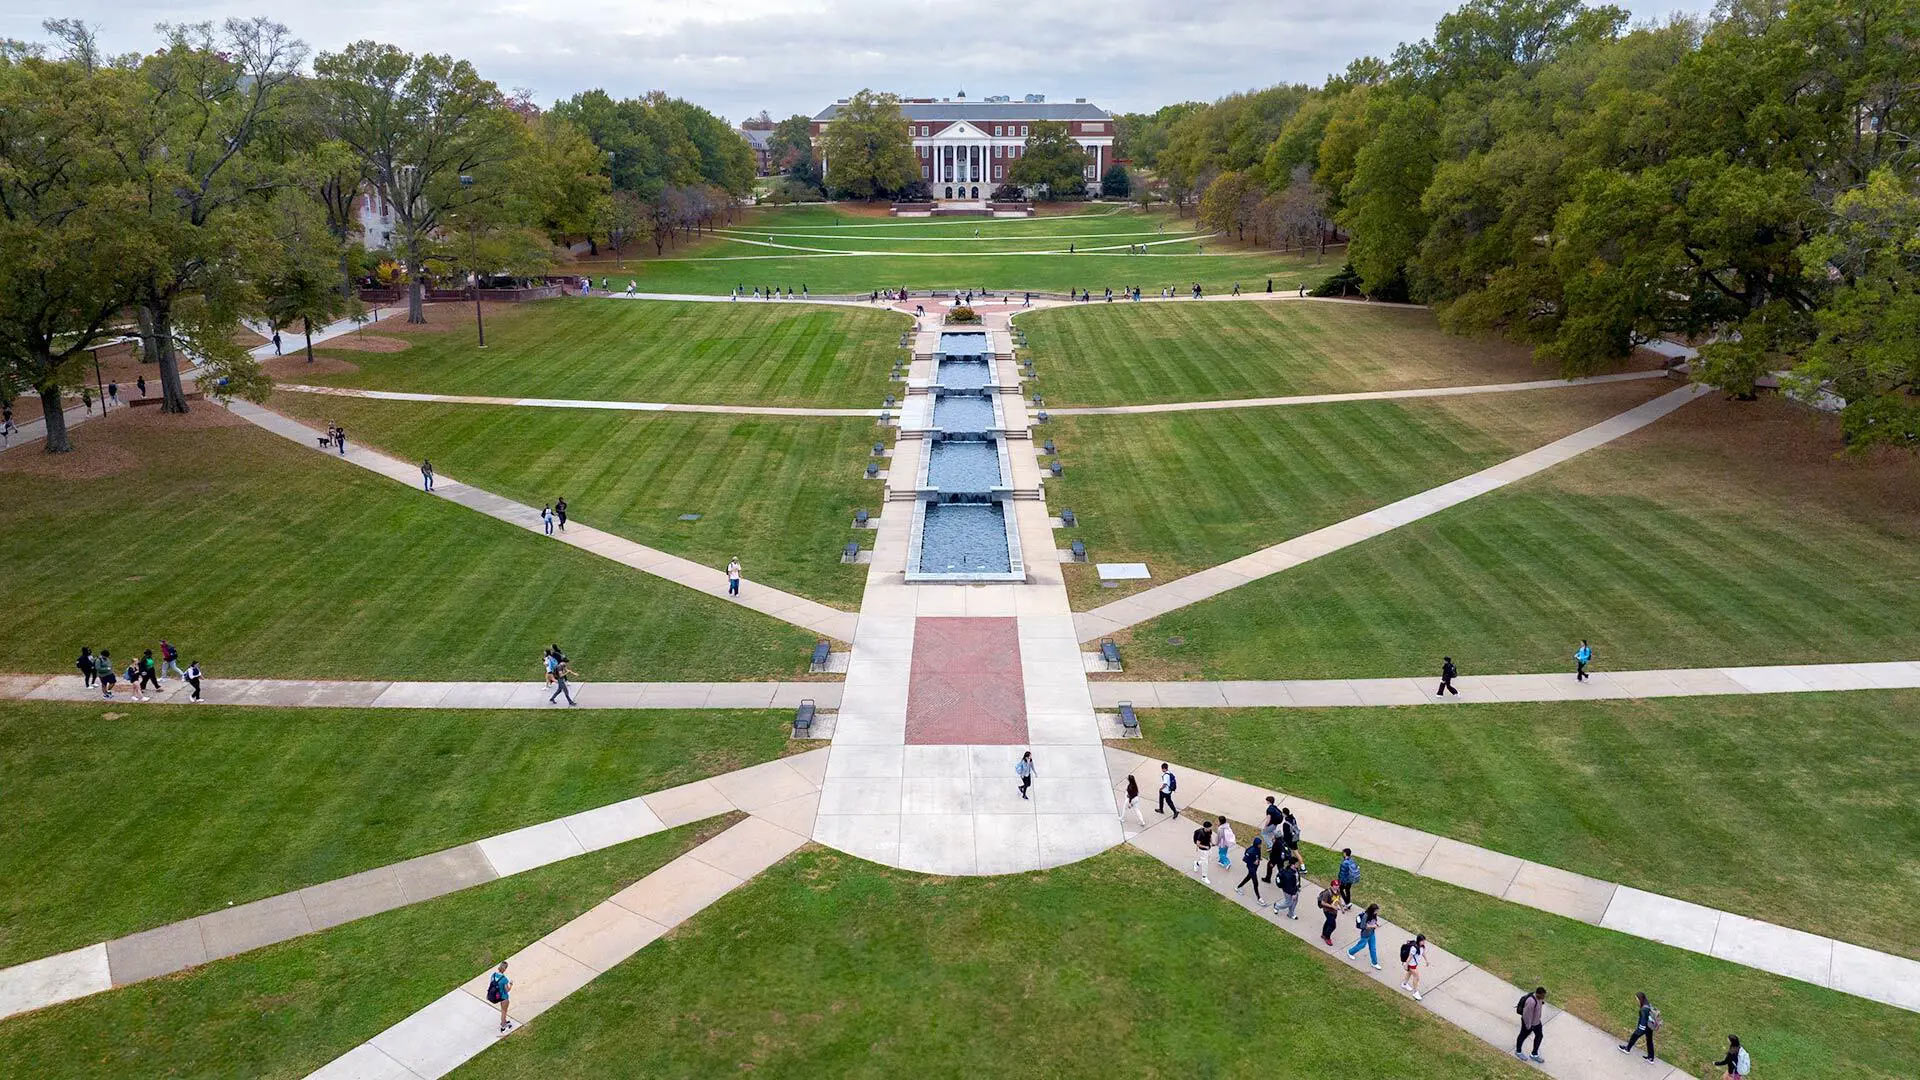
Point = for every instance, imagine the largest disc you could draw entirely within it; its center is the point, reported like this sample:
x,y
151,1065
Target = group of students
x,y
141,675
552,513
772,292
1278,844
559,672
336,437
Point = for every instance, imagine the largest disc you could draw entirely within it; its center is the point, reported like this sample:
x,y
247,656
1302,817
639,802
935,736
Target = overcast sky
x,y
790,56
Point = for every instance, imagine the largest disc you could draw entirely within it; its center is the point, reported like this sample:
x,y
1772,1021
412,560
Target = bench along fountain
x,y
963,529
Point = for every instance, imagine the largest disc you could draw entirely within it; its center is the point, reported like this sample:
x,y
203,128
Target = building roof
x,y
928,111
758,138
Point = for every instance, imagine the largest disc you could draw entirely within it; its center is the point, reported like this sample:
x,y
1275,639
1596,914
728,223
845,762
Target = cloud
x,y
789,56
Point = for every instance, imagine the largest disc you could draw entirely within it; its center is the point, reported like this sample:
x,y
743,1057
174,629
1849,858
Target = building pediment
x,y
960,129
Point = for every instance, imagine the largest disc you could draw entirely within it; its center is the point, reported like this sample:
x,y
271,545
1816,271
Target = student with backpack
x,y
1447,674
170,659
1582,656
103,670
85,664
1413,954
1251,857
133,681
1270,829
1348,876
1289,887
1202,843
149,673
1329,902
1167,786
1647,1023
1368,923
1739,1065
499,990
193,679
1530,1007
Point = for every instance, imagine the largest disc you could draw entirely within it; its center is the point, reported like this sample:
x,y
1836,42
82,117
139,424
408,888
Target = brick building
x,y
966,147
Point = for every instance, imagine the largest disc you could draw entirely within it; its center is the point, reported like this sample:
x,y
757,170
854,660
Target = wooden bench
x,y
803,718
819,661
1111,654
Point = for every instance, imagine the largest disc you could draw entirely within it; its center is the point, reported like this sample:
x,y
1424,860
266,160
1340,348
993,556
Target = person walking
x,y
1270,830
1278,854
113,396
276,343
1582,656
141,382
103,670
499,991
1368,923
560,512
86,399
1447,674
1251,859
170,659
1167,786
733,576
1223,839
1529,1008
1202,843
193,680
546,520
1289,881
7,427
561,672
1133,800
1329,902
340,440
1024,770
133,680
1413,955
1739,1064
85,664
1348,876
426,474
1644,1025
1289,830
149,671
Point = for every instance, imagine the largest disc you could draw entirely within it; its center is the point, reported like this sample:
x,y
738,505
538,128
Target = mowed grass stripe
x,y
1127,354
779,492
747,353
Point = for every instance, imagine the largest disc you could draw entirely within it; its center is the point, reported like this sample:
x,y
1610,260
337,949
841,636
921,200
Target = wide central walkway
x,y
949,684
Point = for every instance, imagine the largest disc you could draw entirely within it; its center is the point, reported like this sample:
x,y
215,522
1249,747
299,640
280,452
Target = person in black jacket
x,y
1447,673
85,664
1642,1026
1289,887
1251,857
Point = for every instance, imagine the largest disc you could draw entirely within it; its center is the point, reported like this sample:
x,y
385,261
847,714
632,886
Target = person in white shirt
x,y
1223,839
1414,960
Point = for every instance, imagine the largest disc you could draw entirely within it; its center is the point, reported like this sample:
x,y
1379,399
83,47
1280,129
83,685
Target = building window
x,y
996,172
926,173
925,130
1023,130
996,131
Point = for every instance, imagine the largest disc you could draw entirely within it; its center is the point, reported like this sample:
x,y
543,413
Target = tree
x,y
790,146
625,217
1390,173
302,286
1223,205
71,235
196,154
1116,184
435,136
1051,161
561,177
866,152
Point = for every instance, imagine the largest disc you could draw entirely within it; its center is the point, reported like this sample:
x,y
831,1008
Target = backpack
x,y
1742,1064
1406,950
493,988
1173,783
1653,1019
1520,1007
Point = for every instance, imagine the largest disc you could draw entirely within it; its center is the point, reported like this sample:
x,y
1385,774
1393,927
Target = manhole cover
x,y
689,517
1176,640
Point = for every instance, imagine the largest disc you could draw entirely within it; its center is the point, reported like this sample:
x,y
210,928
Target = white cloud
x,y
789,56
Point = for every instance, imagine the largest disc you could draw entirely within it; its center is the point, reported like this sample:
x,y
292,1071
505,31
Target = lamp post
x,y
473,241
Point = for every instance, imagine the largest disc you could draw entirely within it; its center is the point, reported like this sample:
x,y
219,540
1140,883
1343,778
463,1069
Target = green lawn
x,y
287,1009
1184,491
263,558
779,492
1724,534
880,253
125,819
1791,1028
1761,805
828,966
704,353
1124,354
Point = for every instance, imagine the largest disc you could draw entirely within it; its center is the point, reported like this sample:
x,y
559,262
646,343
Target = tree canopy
x,y
867,150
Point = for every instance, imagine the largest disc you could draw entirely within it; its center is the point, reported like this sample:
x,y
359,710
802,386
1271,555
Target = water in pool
x,y
964,343
964,538
963,466
962,412
962,374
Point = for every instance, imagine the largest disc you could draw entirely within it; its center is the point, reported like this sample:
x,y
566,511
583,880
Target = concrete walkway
x,y
1667,682
1107,619
1365,395
784,792
1796,954
1468,997
530,694
786,607
461,1024
570,403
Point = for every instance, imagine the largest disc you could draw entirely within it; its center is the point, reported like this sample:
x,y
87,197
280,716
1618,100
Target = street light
x,y
479,324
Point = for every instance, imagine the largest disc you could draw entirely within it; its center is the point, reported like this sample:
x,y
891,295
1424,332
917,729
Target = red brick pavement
x,y
966,685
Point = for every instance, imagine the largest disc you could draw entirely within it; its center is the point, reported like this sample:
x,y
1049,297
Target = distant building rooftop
x,y
920,109
758,138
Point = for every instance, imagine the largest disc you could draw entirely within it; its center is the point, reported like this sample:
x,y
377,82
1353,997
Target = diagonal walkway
x,y
1667,682
571,403
786,607
460,1025
1364,395
1466,996
1796,954
321,693
784,792
1150,603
